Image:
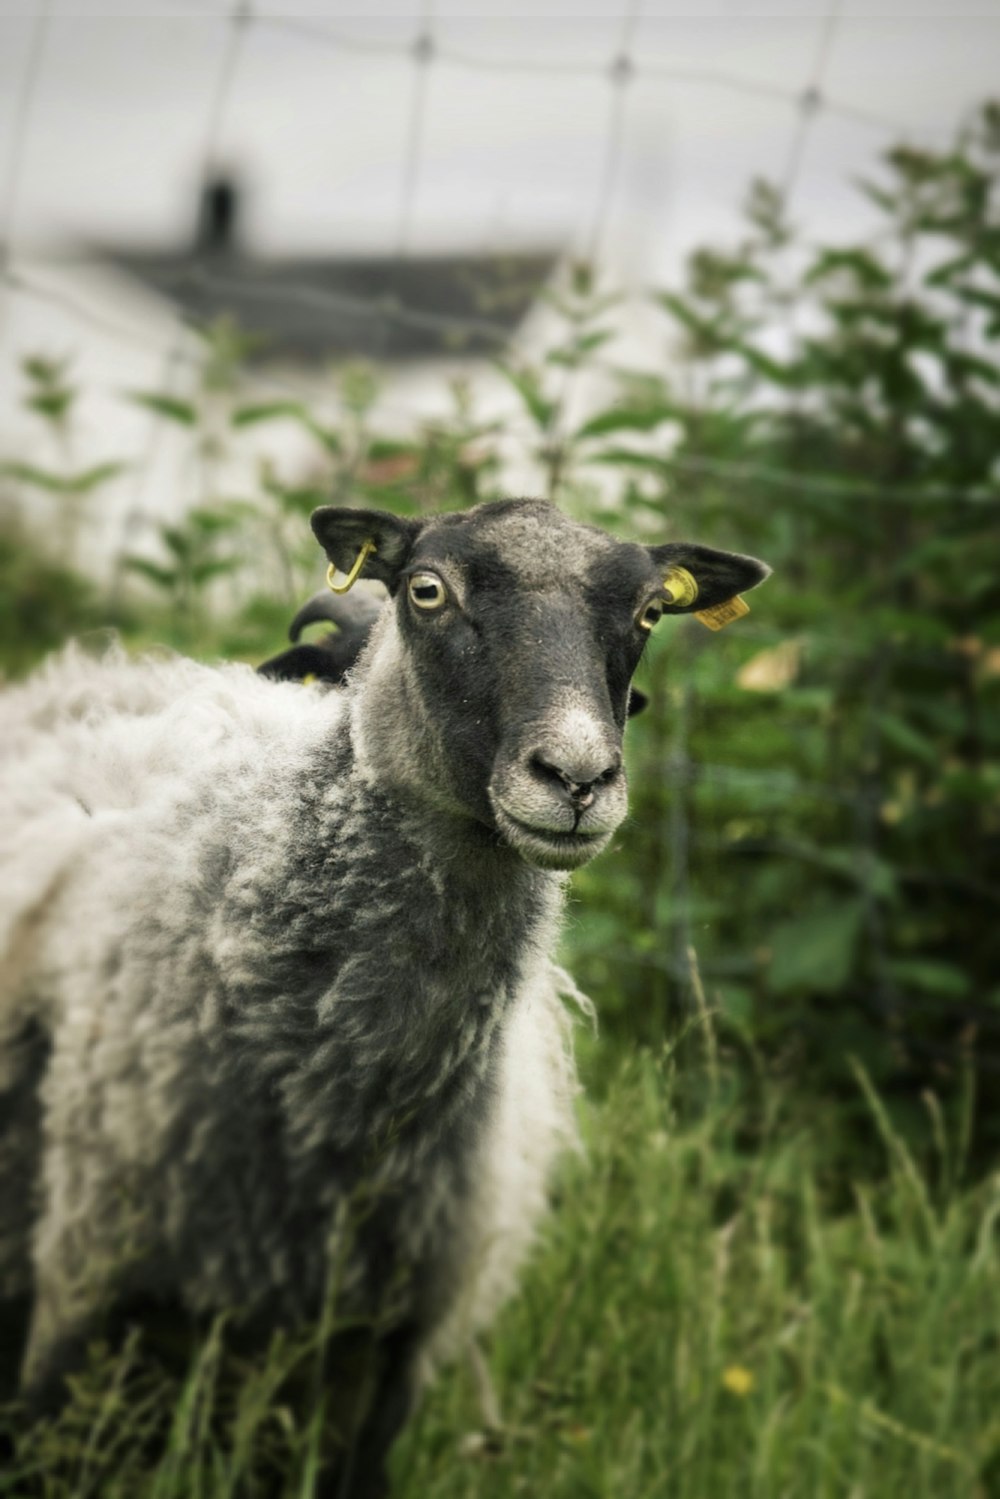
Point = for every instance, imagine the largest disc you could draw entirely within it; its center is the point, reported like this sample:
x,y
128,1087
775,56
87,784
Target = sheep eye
x,y
426,591
649,617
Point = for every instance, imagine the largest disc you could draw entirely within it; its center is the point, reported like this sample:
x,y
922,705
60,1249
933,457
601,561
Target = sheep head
x,y
497,684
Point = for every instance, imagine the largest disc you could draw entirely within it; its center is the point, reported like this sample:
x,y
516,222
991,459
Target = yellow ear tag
x,y
352,577
721,615
681,587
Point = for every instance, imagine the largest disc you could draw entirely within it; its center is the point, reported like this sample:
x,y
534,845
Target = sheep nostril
x,y
580,792
548,772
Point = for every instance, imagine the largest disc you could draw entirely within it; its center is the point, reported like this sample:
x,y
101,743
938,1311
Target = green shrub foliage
x,y
817,793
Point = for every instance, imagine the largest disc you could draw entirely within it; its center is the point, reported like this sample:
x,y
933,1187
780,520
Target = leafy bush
x,y
817,803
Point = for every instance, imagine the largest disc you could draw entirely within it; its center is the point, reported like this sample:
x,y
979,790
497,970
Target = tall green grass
x,y
709,1313
702,1321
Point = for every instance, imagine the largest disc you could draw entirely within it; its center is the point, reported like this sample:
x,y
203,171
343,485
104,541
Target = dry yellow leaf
x,y
772,669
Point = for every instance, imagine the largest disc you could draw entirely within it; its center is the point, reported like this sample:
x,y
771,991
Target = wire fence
x,y
430,57
623,71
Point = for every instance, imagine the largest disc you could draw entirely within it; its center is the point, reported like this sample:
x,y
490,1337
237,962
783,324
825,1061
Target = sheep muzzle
x,y
560,796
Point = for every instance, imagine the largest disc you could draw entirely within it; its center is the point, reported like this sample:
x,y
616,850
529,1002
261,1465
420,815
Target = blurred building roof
x,y
313,309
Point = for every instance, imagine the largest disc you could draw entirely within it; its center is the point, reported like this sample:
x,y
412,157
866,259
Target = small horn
x,y
353,612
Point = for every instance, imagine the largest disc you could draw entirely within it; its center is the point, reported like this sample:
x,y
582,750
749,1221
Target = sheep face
x,y
498,684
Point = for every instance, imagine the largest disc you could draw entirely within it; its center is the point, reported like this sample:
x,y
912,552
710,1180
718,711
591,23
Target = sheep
x,y
268,954
332,656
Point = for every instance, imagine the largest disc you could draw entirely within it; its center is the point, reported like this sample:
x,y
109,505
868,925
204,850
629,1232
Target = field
x,y
708,1313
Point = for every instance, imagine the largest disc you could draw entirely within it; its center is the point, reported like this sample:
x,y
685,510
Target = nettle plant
x,y
56,485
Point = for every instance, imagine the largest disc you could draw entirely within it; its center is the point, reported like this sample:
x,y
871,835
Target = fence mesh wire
x,y
430,60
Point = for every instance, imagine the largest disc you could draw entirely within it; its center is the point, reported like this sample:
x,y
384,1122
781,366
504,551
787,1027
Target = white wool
x,y
533,1126
90,736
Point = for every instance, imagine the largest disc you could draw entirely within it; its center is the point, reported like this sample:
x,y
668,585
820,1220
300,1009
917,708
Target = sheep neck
x,y
399,938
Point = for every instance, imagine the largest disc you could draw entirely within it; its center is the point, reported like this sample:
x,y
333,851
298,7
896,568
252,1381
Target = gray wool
x,y
257,1010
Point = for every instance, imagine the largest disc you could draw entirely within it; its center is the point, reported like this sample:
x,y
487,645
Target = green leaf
x,y
164,577
528,387
703,328
269,411
82,483
292,411
52,404
184,413
584,305
887,201
385,447
975,297
626,419
905,738
44,371
943,979
623,458
573,353
213,520
92,478
213,567
764,364
737,1001
177,541
973,786
964,365
40,478
815,951
860,867
942,274
860,264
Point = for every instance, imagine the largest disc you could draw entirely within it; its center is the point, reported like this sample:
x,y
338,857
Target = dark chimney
x,y
218,217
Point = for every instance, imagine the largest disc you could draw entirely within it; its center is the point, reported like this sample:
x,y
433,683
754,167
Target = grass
x,y
701,1323
709,1314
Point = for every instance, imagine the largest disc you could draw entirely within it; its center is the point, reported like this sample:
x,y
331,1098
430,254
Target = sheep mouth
x,y
545,847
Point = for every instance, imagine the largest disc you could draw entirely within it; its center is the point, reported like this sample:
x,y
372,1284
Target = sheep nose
x,y
577,780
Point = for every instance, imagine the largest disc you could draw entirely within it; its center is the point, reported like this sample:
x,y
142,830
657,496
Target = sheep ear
x,y
720,576
342,533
